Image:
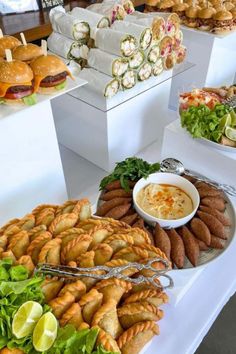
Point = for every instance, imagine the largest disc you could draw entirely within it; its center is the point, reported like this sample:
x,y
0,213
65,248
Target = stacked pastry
x,y
216,16
125,313
70,38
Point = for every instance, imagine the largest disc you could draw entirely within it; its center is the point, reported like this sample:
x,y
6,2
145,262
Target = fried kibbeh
x,y
135,338
104,208
161,240
129,219
192,250
216,242
217,214
177,252
117,185
201,244
117,193
214,203
200,230
118,212
213,224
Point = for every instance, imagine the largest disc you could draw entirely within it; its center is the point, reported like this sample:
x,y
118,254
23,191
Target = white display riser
x,y
31,169
215,59
215,164
105,137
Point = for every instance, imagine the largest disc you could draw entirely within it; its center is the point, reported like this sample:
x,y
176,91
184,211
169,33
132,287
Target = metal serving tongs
x,y
112,272
231,101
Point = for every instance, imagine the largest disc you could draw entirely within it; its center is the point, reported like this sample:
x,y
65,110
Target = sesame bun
x,y
165,4
27,52
180,7
15,72
48,65
205,13
223,15
228,5
8,42
192,12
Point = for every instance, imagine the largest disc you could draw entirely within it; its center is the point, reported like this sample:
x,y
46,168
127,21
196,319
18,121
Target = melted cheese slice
x,y
38,79
5,86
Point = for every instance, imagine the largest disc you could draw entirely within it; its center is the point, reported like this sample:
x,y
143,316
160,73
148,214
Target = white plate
x,y
216,145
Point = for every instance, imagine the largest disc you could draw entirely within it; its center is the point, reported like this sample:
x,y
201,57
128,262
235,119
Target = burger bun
x,y
27,52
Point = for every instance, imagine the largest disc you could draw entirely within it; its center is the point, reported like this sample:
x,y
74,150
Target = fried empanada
x,y
177,248
106,318
90,282
36,245
51,288
62,223
19,244
8,225
83,209
132,313
45,217
213,224
89,224
131,254
9,254
191,246
69,235
12,231
217,214
152,296
50,253
27,262
61,304
33,233
72,316
103,253
99,234
77,289
66,207
41,207
121,262
27,222
106,340
75,248
134,339
162,240
113,288
86,259
90,304
3,241
82,326
117,242
200,230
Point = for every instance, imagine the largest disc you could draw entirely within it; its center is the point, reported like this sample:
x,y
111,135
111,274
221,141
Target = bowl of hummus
x,y
166,198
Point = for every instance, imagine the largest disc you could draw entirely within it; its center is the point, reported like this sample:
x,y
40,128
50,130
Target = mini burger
x,y
50,74
222,22
8,42
16,83
205,18
165,6
180,9
27,52
191,19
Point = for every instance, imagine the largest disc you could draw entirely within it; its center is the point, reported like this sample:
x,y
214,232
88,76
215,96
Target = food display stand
x,y
215,58
31,168
105,131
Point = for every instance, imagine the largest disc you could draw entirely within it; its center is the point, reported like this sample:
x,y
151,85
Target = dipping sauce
x,y
164,201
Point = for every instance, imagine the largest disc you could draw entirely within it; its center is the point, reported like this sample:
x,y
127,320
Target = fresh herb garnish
x,y
131,169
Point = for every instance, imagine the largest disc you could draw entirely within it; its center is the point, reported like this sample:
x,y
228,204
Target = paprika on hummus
x,y
164,201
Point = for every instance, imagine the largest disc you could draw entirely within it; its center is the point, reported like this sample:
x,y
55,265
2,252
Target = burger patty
x,y
17,89
54,80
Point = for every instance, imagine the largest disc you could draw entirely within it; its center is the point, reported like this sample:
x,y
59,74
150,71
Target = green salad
x,y
211,124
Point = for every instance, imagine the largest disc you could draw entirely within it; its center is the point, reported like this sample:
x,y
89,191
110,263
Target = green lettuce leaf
x,y
61,86
4,275
30,100
18,273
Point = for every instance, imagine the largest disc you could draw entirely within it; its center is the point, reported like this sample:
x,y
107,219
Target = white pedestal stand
x,y
31,171
106,131
215,59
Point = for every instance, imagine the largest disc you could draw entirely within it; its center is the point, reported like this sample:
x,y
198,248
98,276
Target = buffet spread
x,y
77,281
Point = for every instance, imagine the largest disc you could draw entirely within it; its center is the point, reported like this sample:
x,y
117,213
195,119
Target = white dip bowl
x,y
174,180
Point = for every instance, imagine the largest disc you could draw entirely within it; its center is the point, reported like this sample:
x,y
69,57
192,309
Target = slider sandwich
x,y
27,52
222,22
8,42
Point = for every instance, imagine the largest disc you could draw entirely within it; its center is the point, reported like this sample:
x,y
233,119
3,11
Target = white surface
x,y
167,179
215,58
107,137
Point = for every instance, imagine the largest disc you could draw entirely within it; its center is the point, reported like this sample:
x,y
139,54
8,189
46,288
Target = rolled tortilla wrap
x,y
136,59
70,27
99,82
180,54
66,47
153,54
107,63
156,23
169,61
93,19
157,68
177,39
144,72
128,80
109,9
142,34
115,42
166,46
172,22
